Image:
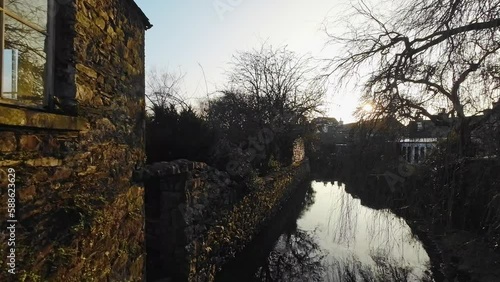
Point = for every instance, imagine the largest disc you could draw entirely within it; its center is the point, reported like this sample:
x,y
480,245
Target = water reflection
x,y
337,239
367,244
28,65
385,269
34,11
25,47
296,257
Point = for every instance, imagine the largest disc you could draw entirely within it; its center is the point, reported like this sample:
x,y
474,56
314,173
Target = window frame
x,y
48,79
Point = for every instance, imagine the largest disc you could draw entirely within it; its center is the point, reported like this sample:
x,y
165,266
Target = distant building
x,y
422,137
340,134
325,124
416,140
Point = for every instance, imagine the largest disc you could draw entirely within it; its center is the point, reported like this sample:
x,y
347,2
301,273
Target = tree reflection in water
x,y
281,252
328,235
364,242
296,257
343,218
307,202
350,269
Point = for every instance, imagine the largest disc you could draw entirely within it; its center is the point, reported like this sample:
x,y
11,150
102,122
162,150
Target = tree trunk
x,y
464,135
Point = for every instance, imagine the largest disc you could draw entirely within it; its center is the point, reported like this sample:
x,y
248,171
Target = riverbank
x,y
456,255
196,223
453,203
233,231
245,265
327,235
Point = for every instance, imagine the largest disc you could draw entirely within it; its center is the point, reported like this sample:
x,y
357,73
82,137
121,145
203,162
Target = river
x,y
325,234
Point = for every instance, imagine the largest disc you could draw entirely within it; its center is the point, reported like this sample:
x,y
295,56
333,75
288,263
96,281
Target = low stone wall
x,y
182,199
195,221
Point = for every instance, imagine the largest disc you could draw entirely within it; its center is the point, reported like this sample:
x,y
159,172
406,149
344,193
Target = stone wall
x,y
196,221
80,214
299,151
182,198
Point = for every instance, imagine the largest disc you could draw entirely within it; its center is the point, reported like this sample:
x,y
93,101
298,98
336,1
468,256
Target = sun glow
x,y
368,108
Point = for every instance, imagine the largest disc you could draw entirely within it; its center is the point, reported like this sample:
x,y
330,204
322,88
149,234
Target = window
x,y
26,38
420,126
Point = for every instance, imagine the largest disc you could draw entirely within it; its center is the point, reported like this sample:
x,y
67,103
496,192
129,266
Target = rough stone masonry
x,y
196,220
80,215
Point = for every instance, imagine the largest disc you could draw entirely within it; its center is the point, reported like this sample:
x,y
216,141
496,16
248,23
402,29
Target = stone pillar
x,y
408,153
419,156
417,153
298,153
420,153
412,154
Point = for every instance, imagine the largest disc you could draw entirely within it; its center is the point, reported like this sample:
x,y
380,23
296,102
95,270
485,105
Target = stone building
x,y
421,139
423,135
72,115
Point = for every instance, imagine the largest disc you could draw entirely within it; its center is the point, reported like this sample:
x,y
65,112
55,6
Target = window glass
x,y
24,54
24,63
34,11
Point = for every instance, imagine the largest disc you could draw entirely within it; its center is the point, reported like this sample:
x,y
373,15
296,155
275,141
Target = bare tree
x,y
277,83
163,89
421,55
268,89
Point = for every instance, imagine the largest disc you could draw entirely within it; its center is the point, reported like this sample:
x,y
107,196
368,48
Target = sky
x,y
187,34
